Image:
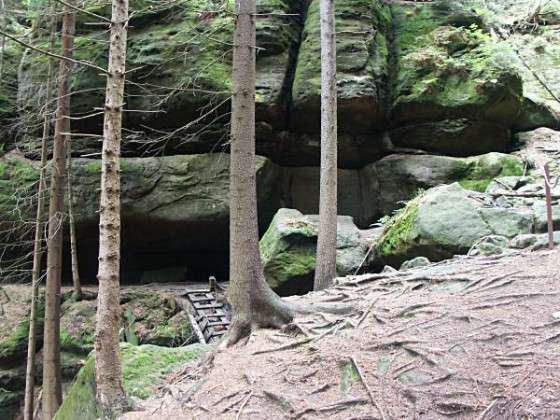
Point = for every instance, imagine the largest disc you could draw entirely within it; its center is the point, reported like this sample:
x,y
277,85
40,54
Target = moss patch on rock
x,y
400,230
144,368
481,171
13,347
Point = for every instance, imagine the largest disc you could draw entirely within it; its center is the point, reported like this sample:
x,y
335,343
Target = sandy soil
x,y
467,338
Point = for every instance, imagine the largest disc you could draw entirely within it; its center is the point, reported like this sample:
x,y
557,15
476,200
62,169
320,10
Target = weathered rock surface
x,y
533,241
450,69
289,248
175,209
430,72
144,368
362,68
399,178
148,317
532,31
445,221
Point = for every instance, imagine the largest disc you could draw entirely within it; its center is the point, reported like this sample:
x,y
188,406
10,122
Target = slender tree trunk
x,y
77,294
2,38
108,370
52,387
325,271
37,244
253,302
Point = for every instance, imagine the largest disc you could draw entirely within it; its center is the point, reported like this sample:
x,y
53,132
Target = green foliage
x,y
129,327
348,376
400,230
479,174
144,368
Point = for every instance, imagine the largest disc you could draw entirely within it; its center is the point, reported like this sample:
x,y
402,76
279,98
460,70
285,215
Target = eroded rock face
x,y
362,68
175,209
289,248
432,73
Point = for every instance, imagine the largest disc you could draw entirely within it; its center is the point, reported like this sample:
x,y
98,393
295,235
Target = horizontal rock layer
x,y
435,76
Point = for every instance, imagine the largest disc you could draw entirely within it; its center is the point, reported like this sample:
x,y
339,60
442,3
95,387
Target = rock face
x,y
175,209
362,68
428,93
445,221
148,317
144,368
431,73
289,247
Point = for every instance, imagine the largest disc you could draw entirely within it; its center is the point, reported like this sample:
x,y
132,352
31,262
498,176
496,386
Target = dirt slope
x,y
468,338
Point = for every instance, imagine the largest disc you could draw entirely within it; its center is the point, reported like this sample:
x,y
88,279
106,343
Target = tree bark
x,y
325,270
52,389
77,293
108,369
2,38
253,302
37,243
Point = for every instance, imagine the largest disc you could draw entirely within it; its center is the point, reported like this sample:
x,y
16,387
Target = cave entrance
x,y
157,253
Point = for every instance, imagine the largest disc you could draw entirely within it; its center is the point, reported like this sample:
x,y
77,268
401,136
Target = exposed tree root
x,y
367,388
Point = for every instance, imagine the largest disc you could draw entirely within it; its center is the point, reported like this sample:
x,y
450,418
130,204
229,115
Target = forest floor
x,y
472,337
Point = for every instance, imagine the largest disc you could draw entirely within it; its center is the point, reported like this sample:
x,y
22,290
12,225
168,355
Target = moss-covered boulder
x,y
532,31
449,67
362,67
289,247
398,178
144,369
148,317
445,221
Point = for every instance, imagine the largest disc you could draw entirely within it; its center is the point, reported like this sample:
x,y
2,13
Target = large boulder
x,y
144,368
289,247
399,178
445,221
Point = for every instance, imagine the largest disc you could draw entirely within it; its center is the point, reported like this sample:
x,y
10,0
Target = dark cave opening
x,y
155,252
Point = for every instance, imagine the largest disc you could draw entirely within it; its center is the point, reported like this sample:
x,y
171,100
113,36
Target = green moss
x,y
400,231
80,401
288,249
14,347
144,368
449,67
481,171
348,376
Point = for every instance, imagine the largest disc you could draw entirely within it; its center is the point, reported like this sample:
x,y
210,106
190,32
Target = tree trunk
x,y
2,38
325,271
52,389
77,294
253,302
37,243
108,370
